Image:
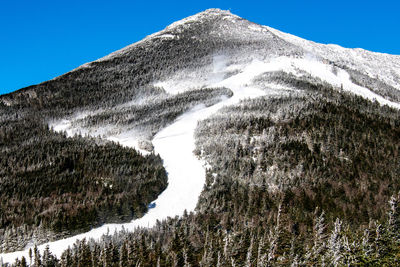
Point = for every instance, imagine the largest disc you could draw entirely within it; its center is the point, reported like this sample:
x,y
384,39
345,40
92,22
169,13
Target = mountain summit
x,y
194,42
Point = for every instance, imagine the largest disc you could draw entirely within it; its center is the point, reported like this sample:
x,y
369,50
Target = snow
x,y
230,17
6,102
199,16
219,63
63,125
176,86
186,177
129,139
386,67
166,36
186,173
175,143
189,80
326,73
257,28
67,124
313,67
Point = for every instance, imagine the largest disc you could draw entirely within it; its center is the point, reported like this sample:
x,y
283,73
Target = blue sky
x,y
42,39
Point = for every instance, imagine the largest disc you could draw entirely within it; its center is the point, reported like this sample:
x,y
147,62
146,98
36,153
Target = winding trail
x,y
175,144
186,175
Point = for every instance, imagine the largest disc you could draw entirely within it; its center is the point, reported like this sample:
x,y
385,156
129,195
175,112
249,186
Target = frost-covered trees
x,y
53,186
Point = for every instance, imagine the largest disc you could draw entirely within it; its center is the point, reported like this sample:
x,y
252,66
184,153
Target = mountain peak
x,y
208,14
195,41
215,11
213,17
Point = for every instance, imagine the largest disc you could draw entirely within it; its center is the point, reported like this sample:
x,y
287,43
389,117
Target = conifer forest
x,y
301,154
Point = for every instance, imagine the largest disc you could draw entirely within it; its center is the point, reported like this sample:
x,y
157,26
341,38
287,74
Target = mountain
x,y
287,150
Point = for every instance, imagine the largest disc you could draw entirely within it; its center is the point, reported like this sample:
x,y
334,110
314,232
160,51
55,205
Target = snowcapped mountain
x,y
224,88
216,49
205,49
235,41
212,49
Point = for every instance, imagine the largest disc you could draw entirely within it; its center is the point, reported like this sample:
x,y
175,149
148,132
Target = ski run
x,y
175,143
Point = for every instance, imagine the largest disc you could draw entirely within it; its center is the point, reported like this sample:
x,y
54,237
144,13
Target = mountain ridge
x,y
389,65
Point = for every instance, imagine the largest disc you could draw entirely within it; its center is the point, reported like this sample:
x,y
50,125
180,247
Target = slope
x,y
204,59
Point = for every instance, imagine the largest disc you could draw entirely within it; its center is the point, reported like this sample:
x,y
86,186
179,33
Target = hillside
x,y
278,151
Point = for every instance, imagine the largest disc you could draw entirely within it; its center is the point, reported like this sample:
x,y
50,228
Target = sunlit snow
x,y
186,173
175,143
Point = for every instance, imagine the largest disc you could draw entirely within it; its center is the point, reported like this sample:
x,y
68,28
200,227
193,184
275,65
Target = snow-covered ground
x,y
175,143
186,173
381,66
332,75
185,180
307,65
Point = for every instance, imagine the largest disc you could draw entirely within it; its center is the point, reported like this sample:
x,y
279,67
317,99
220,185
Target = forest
x,y
308,178
53,186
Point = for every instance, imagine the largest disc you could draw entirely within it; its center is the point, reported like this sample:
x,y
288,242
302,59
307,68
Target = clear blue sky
x,y
42,39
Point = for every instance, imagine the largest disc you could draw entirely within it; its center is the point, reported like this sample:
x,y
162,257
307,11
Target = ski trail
x,y
175,145
186,175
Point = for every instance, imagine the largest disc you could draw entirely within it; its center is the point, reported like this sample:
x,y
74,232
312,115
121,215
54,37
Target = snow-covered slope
x,y
376,65
232,53
288,53
266,43
186,173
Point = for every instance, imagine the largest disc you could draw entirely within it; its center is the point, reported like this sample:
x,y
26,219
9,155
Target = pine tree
x,y
66,258
335,245
30,256
249,256
23,262
37,257
123,255
394,217
273,237
48,259
84,255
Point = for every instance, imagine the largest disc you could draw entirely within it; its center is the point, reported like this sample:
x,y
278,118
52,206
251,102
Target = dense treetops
x,y
54,186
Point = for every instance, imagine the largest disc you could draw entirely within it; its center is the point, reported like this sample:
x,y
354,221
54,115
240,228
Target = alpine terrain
x,y
214,142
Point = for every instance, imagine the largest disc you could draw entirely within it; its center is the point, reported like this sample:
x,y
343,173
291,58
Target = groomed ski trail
x,y
186,174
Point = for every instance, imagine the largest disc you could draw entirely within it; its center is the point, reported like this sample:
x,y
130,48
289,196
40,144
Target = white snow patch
x,y
230,18
174,86
61,126
6,102
209,12
129,139
219,63
384,66
200,78
310,65
171,36
67,123
257,28
340,79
